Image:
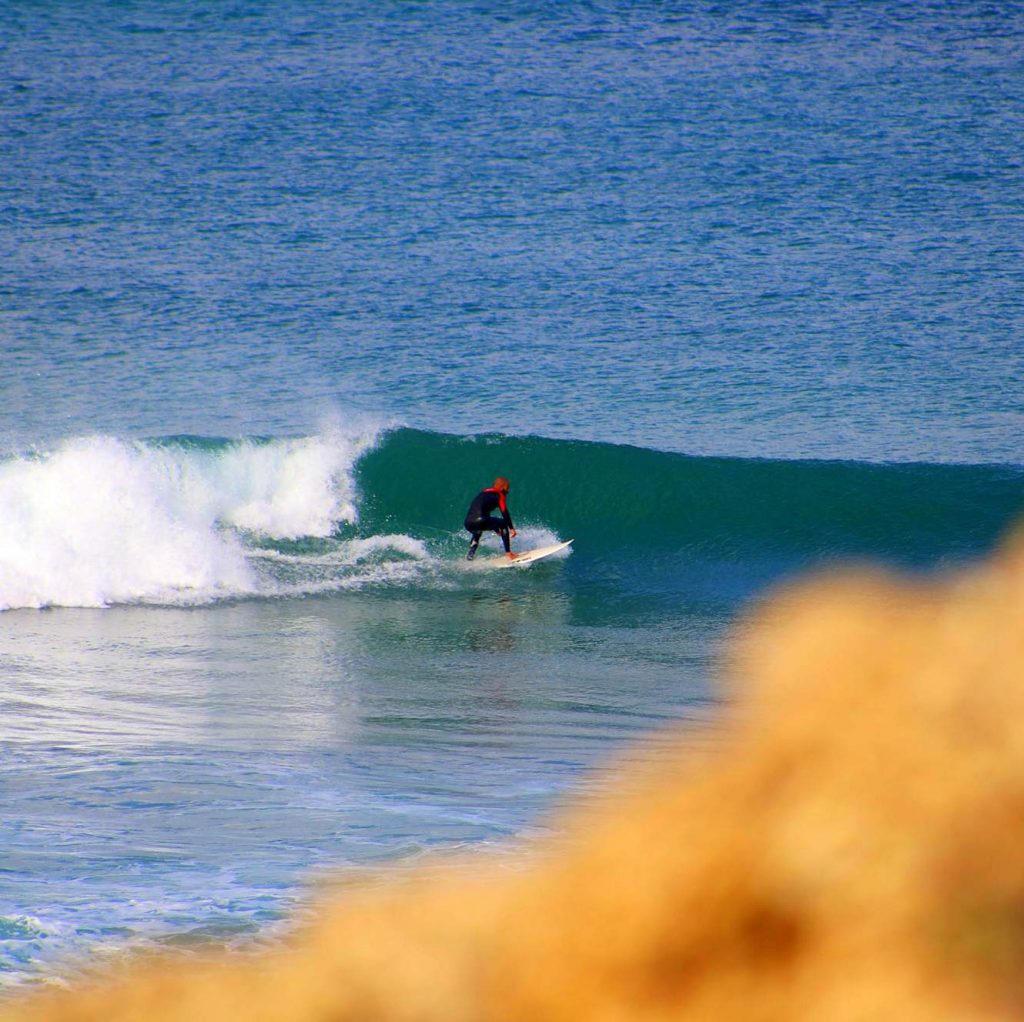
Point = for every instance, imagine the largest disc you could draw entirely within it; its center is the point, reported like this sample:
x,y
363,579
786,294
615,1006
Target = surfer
x,y
479,520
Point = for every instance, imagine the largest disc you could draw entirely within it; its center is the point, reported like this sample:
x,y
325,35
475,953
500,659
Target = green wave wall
x,y
612,497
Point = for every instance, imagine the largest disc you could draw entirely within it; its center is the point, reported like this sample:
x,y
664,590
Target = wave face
x,y
674,522
101,521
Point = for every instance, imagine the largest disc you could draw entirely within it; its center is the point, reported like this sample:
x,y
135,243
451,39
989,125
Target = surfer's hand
x,y
512,532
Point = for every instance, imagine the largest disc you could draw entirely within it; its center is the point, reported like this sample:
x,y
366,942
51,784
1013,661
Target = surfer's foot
x,y
471,553
511,556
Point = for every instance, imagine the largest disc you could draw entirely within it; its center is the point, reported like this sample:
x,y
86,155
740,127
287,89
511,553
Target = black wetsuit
x,y
479,520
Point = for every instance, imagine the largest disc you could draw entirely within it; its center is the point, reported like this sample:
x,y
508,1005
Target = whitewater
x,y
101,520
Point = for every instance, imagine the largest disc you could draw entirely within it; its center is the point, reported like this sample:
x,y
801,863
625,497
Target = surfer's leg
x,y
479,526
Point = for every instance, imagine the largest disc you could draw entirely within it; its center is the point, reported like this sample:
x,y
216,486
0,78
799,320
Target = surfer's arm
x,y
503,508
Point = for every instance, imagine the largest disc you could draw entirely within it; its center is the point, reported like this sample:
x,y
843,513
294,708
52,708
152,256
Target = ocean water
x,y
730,291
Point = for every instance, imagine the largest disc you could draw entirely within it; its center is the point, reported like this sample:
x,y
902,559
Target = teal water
x,y
729,291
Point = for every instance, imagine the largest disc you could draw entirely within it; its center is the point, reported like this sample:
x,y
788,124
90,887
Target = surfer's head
x,y
501,484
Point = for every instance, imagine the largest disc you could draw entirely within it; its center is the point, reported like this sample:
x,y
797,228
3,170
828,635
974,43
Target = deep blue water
x,y
749,229
730,291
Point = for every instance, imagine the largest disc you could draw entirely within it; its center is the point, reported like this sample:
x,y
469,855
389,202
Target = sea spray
x,y
287,489
102,520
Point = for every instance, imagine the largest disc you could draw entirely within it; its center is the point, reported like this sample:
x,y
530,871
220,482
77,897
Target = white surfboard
x,y
528,557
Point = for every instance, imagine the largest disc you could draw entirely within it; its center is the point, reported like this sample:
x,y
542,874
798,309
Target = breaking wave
x,y
186,520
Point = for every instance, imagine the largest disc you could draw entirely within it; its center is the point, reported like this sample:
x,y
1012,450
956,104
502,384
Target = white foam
x,y
529,537
102,520
350,552
290,488
414,548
